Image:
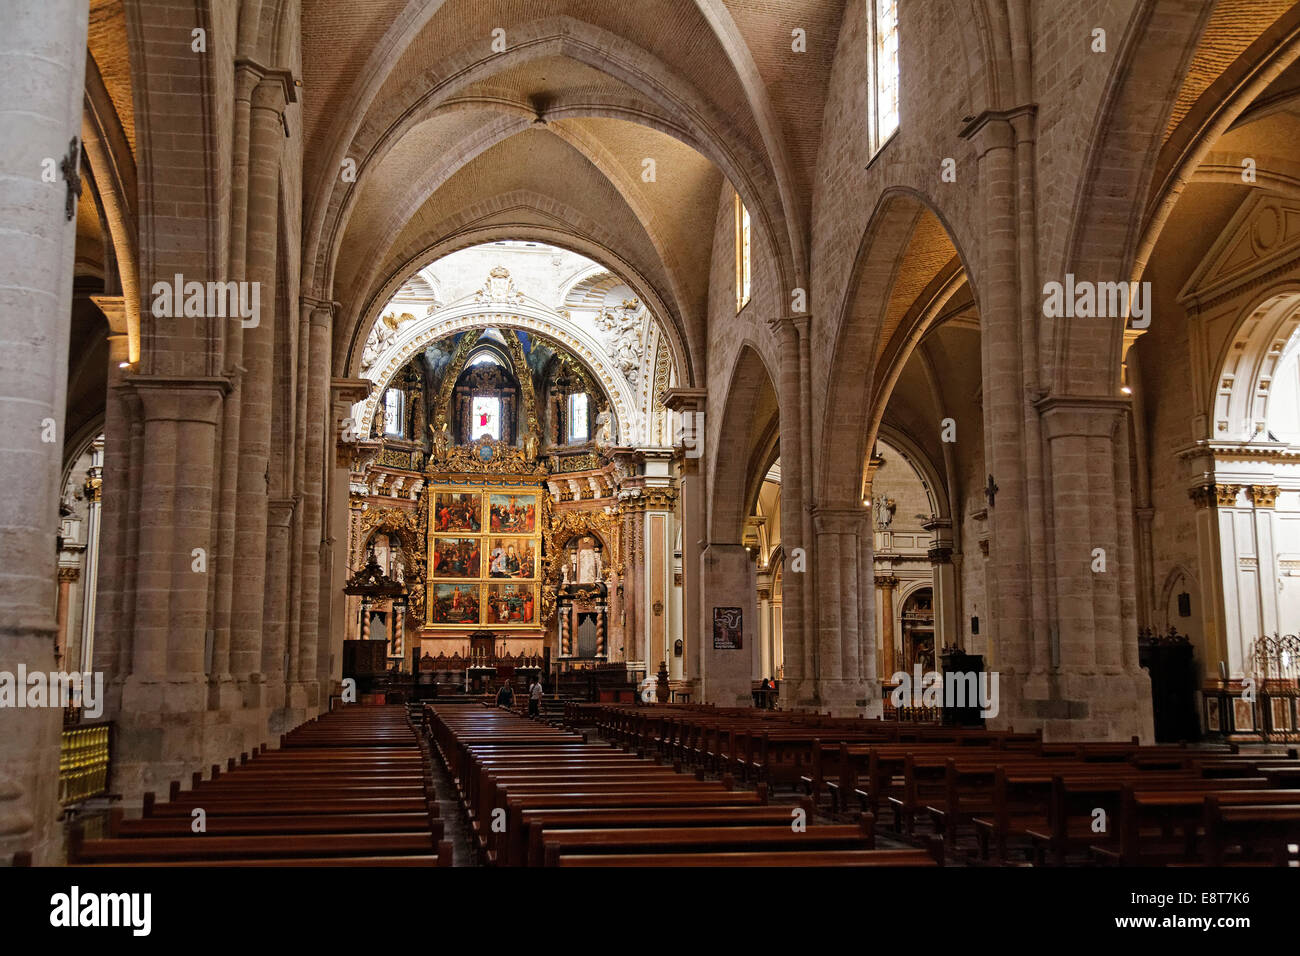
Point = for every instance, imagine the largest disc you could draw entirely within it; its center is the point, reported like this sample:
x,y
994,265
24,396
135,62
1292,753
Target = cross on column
x,y
990,491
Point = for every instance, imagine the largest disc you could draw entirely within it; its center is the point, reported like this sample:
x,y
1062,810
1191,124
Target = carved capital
x,y
940,555
886,582
1262,496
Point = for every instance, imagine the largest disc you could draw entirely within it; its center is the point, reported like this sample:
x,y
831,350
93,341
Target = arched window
x,y
742,254
578,427
884,71
486,417
394,412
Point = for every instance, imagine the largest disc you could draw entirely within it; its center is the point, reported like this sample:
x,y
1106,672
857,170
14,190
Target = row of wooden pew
x,y
996,796
539,795
349,788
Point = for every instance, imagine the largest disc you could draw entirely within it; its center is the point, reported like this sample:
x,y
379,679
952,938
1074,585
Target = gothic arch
x,y
856,390
733,444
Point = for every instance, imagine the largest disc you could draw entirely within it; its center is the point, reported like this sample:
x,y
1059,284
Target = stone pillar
x,y
947,601
1093,687
690,496
225,695
161,724
846,598
886,583
800,671
727,577
279,554
266,138
42,78
109,634
313,491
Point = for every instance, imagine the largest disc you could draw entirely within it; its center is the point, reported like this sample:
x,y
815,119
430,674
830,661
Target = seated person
x,y
505,696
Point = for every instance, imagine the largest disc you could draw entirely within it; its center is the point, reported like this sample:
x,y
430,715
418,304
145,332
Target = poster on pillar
x,y
727,629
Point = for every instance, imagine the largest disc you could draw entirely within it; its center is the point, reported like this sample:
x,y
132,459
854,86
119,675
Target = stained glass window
x,y
578,417
486,414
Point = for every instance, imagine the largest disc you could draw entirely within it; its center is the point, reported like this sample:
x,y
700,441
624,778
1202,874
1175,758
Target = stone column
x,y
109,633
846,600
94,529
271,94
886,583
1093,687
690,495
225,695
164,700
42,78
274,612
313,490
766,646
947,601
799,645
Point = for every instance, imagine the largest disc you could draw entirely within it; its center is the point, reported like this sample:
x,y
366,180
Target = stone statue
x,y
884,508
604,437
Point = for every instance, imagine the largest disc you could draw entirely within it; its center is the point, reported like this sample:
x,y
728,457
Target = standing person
x,y
535,697
506,696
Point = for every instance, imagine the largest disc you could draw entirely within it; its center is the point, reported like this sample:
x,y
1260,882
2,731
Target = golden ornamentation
x,y
558,529
486,457
454,368
409,528
1226,495
1263,496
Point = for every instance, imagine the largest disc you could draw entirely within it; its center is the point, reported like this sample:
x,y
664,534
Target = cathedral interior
x,y
699,357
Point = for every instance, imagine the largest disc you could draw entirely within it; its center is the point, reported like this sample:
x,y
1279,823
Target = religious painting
x,y
510,604
512,558
457,558
513,514
727,629
454,604
1212,720
457,511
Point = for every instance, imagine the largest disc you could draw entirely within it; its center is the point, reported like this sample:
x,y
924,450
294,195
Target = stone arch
x,y
1114,228
857,387
706,130
528,316
733,445
466,232
1246,363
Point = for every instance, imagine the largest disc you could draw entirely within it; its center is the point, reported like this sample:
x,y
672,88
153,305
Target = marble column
x,y
94,531
42,77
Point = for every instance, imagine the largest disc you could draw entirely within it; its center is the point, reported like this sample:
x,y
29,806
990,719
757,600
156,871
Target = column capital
x,y
1262,496
940,555
250,76
1222,496
886,582
1087,416
69,574
680,399
997,129
840,520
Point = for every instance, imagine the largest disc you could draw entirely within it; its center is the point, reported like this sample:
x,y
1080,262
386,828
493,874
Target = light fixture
x,y
1126,390
123,364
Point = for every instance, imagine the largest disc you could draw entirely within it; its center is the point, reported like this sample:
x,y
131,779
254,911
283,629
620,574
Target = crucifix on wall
x,y
990,491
